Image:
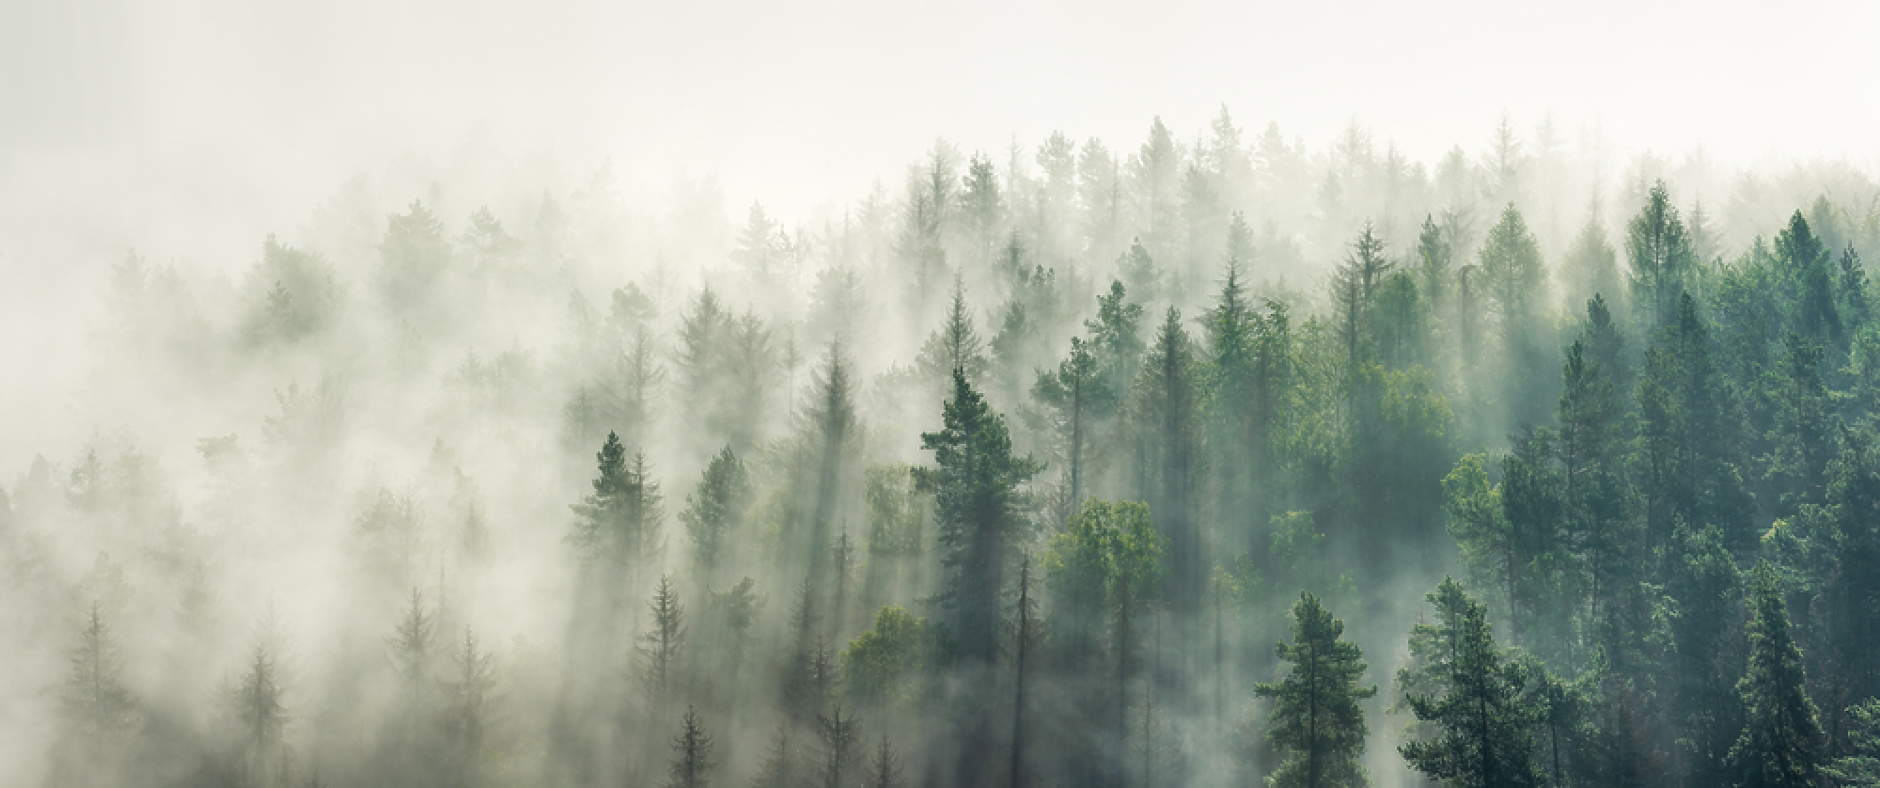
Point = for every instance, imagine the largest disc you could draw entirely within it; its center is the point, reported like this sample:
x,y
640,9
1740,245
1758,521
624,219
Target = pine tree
x,y
718,507
1169,457
1861,768
410,642
975,483
1781,743
661,646
1662,261
97,710
1116,339
884,771
692,754
1482,736
841,748
955,345
1317,721
781,765
619,523
467,700
1354,287
1077,400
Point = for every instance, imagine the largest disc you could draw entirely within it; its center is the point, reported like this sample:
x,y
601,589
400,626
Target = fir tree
x,y
1482,735
884,771
1317,720
661,646
717,508
1781,744
691,763
975,484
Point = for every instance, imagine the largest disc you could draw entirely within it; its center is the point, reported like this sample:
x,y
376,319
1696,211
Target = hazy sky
x,y
796,103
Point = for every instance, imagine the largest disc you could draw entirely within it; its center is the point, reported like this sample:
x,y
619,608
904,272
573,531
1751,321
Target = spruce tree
x,y
884,770
691,763
718,507
663,644
975,484
1317,720
1781,743
1482,737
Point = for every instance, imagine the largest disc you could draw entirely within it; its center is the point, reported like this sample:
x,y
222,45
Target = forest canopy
x,y
1204,458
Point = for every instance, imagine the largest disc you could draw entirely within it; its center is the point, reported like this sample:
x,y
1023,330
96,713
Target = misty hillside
x,y
1205,457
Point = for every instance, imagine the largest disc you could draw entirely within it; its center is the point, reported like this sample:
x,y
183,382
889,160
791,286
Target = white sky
x,y
189,129
798,103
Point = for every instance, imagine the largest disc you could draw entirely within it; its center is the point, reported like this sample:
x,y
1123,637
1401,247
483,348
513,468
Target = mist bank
x,y
1011,469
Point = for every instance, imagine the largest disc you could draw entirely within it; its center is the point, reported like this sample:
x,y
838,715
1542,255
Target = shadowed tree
x,y
691,763
1781,744
663,644
97,710
1482,736
717,508
884,771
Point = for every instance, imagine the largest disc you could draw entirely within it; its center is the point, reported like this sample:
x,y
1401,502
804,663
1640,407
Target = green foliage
x,y
619,523
1659,252
1861,768
1317,720
896,661
975,481
1482,735
1781,743
1107,565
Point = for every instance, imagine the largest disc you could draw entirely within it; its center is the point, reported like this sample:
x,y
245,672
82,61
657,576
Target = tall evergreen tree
x,y
662,646
618,524
1658,249
1483,736
1317,720
1781,745
691,763
975,481
718,507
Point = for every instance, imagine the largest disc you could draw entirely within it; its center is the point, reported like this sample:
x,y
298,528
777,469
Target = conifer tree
x,y
618,524
884,771
1077,400
975,483
1781,744
1169,457
468,699
841,756
410,642
691,763
1317,721
1659,252
718,506
97,710
1482,736
663,644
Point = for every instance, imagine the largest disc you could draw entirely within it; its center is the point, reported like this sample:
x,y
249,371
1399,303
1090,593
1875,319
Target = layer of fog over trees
x,y
1012,471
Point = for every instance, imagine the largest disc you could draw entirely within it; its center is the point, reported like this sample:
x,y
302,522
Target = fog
x,y
940,394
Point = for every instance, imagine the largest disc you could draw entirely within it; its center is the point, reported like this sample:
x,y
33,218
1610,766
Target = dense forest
x,y
1202,461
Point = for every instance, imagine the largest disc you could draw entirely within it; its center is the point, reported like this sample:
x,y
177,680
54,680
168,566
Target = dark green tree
x,y
1781,743
1659,252
691,763
975,481
718,507
1317,719
619,523
1482,730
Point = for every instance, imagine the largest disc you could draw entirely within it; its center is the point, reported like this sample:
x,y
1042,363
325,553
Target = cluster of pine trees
x,y
1051,473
